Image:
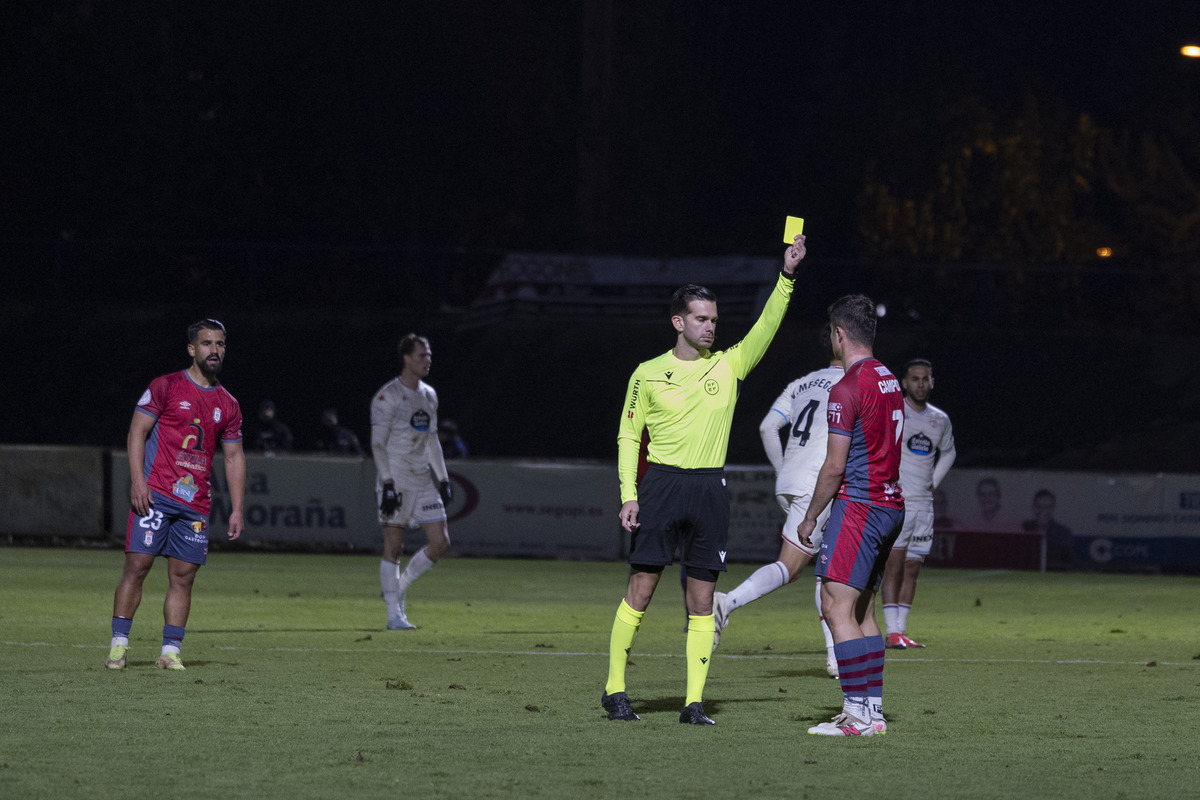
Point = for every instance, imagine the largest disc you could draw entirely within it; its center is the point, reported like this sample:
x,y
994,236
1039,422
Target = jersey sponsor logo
x,y
185,405
833,412
185,488
216,415
145,398
919,444
889,386
633,396
882,370
196,462
420,420
711,386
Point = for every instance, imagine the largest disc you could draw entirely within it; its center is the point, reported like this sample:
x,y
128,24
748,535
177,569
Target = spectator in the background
x,y
337,439
272,436
453,445
1056,535
988,493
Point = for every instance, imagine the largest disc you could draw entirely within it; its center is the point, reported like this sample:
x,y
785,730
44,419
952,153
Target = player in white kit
x,y
405,444
801,410
925,459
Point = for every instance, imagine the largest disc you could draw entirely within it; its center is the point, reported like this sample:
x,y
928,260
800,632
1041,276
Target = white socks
x,y
389,581
824,628
764,581
895,617
418,565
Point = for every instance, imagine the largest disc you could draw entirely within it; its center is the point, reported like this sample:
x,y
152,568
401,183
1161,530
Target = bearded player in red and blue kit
x,y
172,440
862,468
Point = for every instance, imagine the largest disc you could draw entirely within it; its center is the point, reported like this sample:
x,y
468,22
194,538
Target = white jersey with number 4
x,y
928,452
801,409
404,434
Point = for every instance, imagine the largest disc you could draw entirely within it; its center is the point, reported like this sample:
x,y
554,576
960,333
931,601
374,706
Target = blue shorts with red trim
x,y
858,539
171,529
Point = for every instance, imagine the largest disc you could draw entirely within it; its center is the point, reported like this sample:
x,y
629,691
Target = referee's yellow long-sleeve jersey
x,y
687,406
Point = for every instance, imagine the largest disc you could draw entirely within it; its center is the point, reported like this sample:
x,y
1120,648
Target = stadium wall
x,y
569,509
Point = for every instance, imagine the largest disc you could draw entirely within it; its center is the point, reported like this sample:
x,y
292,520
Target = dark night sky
x,y
446,135
651,127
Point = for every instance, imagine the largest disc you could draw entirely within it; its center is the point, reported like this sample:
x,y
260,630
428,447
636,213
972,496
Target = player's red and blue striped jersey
x,y
190,420
868,406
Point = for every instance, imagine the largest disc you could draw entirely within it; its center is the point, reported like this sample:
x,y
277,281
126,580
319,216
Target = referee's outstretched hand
x,y
794,255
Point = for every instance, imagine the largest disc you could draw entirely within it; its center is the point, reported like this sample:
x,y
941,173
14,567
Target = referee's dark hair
x,y
684,295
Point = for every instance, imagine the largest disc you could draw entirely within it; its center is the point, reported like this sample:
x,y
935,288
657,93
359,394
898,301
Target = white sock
x,y
901,618
876,704
764,581
123,641
891,618
418,565
857,707
389,581
828,637
170,648
824,627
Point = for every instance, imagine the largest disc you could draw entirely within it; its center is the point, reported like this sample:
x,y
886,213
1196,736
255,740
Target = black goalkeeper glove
x,y
391,500
446,491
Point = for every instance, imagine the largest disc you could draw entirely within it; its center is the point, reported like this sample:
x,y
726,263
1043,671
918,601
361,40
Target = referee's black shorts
x,y
685,511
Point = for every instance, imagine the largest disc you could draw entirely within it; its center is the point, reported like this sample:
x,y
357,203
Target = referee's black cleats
x,y
694,715
618,707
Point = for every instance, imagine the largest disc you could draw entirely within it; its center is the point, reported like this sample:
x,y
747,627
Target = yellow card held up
x,y
792,228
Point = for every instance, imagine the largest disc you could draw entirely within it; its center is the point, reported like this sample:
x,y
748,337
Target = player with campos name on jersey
x,y
861,475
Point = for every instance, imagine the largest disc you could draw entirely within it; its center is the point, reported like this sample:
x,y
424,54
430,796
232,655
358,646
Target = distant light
x,y
881,310
1104,252
1190,50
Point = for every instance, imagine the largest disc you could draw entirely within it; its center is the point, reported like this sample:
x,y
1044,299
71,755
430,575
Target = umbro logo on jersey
x,y
185,405
722,553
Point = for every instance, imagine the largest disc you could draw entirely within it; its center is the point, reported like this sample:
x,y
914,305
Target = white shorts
x,y
419,503
796,506
917,534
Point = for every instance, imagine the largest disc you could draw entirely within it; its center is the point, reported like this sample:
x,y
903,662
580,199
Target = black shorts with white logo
x,y
684,511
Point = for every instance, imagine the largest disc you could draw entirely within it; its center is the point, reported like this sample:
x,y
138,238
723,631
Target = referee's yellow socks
x,y
699,655
624,631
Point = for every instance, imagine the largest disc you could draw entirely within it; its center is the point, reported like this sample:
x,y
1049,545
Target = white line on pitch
x,y
731,656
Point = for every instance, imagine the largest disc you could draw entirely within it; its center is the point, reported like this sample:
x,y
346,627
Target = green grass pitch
x,y
1059,685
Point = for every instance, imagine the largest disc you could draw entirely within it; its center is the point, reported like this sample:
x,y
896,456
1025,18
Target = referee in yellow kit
x,y
685,399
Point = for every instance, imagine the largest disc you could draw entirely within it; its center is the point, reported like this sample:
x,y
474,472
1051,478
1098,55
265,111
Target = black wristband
x,y
791,276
